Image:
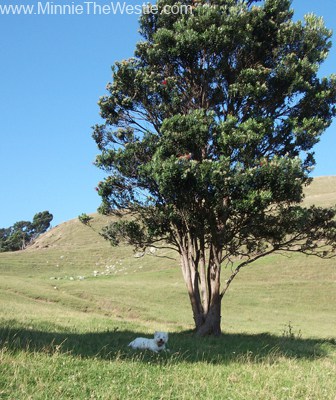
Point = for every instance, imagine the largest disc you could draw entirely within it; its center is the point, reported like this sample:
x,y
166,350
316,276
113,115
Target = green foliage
x,y
18,236
127,229
85,219
41,222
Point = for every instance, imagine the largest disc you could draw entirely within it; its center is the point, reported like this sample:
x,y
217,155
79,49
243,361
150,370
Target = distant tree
x,y
85,219
21,235
18,236
4,235
41,222
208,141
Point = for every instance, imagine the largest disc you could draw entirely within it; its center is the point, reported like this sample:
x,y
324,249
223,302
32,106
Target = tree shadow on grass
x,y
184,346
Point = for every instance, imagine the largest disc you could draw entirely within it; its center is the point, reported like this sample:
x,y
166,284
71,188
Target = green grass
x,y
64,331
98,365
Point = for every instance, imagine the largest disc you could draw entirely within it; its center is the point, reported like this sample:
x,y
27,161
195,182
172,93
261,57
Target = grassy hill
x,y
322,191
72,234
70,304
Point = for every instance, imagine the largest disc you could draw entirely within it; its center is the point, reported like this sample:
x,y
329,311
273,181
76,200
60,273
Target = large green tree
x,y
208,140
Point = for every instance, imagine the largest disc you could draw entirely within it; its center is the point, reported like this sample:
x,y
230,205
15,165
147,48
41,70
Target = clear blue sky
x,y
53,69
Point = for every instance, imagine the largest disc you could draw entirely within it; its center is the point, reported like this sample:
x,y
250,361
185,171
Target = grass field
x,y
70,305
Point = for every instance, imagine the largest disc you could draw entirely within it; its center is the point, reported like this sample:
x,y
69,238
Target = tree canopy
x,y
22,233
208,140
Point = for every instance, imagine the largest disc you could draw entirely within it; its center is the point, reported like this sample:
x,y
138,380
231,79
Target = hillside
x,y
74,235
322,192
74,268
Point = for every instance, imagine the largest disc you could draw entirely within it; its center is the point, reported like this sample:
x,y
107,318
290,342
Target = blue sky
x,y
53,70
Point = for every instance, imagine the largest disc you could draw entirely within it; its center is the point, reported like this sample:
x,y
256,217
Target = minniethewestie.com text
x,y
91,8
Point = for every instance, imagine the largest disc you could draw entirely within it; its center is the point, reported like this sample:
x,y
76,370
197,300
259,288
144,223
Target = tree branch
x,y
243,264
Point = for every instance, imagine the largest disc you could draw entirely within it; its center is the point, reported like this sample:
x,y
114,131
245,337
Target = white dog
x,y
157,344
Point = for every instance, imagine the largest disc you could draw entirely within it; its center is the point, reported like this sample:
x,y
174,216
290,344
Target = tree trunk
x,y
212,322
205,298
